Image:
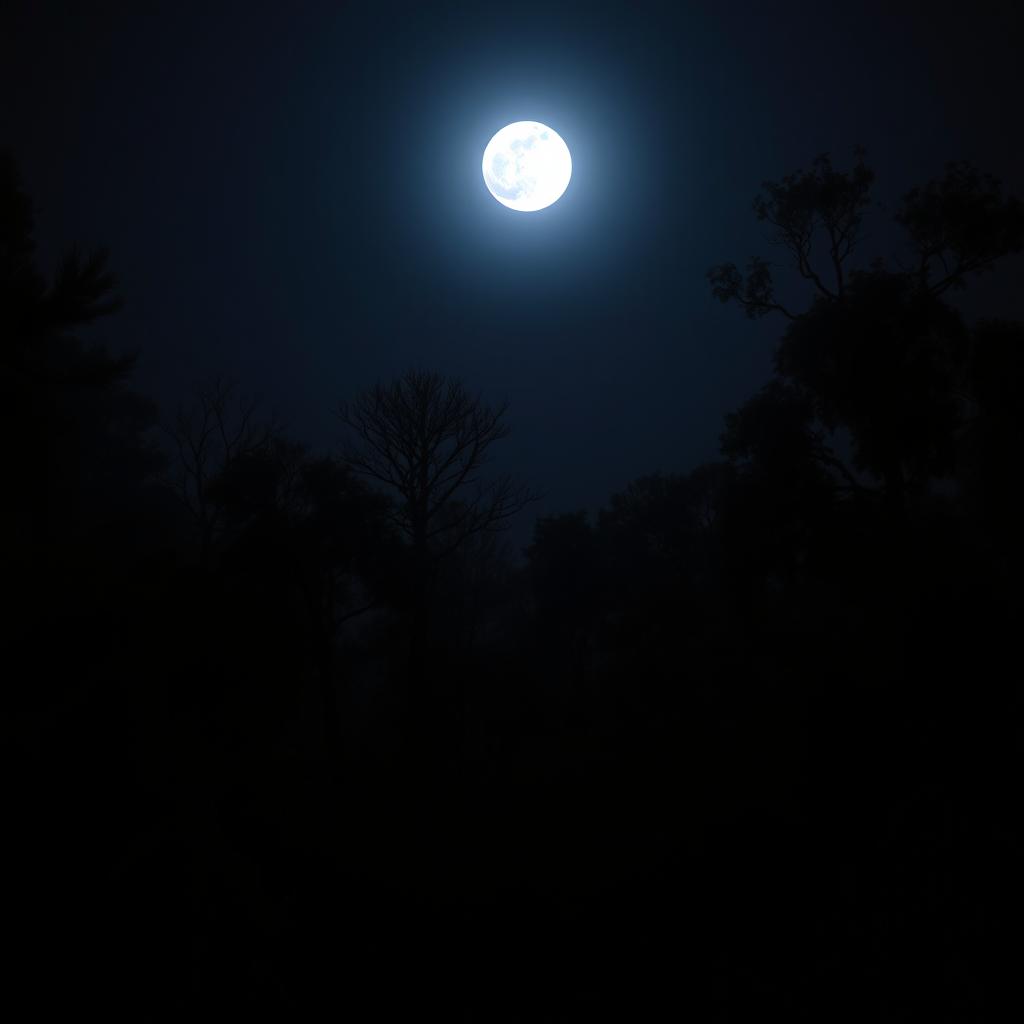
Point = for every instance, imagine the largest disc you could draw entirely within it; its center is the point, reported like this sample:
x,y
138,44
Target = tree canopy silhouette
x,y
74,435
960,223
875,353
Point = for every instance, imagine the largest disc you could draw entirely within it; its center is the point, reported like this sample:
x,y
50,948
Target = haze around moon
x,y
527,166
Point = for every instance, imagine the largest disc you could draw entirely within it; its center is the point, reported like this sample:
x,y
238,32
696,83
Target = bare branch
x,y
755,292
216,429
427,438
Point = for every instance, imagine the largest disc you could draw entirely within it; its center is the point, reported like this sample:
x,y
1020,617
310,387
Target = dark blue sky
x,y
292,195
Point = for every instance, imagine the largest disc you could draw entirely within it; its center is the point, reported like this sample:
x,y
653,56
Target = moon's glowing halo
x,y
527,166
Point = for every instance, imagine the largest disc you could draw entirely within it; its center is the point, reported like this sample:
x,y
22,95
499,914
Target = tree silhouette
x,y
427,439
875,352
219,428
811,212
959,225
886,365
301,541
990,445
75,436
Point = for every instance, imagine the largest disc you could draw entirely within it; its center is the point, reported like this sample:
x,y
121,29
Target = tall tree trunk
x,y
320,619
333,737
895,497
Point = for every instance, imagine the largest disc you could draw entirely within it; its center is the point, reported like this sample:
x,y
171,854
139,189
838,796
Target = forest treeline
x,y
293,730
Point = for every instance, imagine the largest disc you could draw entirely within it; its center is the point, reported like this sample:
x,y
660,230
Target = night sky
x,y
291,194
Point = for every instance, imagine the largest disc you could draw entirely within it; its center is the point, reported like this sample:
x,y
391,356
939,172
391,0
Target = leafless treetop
x,y
427,438
218,428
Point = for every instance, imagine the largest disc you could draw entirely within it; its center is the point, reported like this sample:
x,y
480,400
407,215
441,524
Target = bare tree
x,y
215,431
427,439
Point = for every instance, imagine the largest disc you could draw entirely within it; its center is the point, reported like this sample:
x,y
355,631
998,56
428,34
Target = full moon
x,y
527,166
